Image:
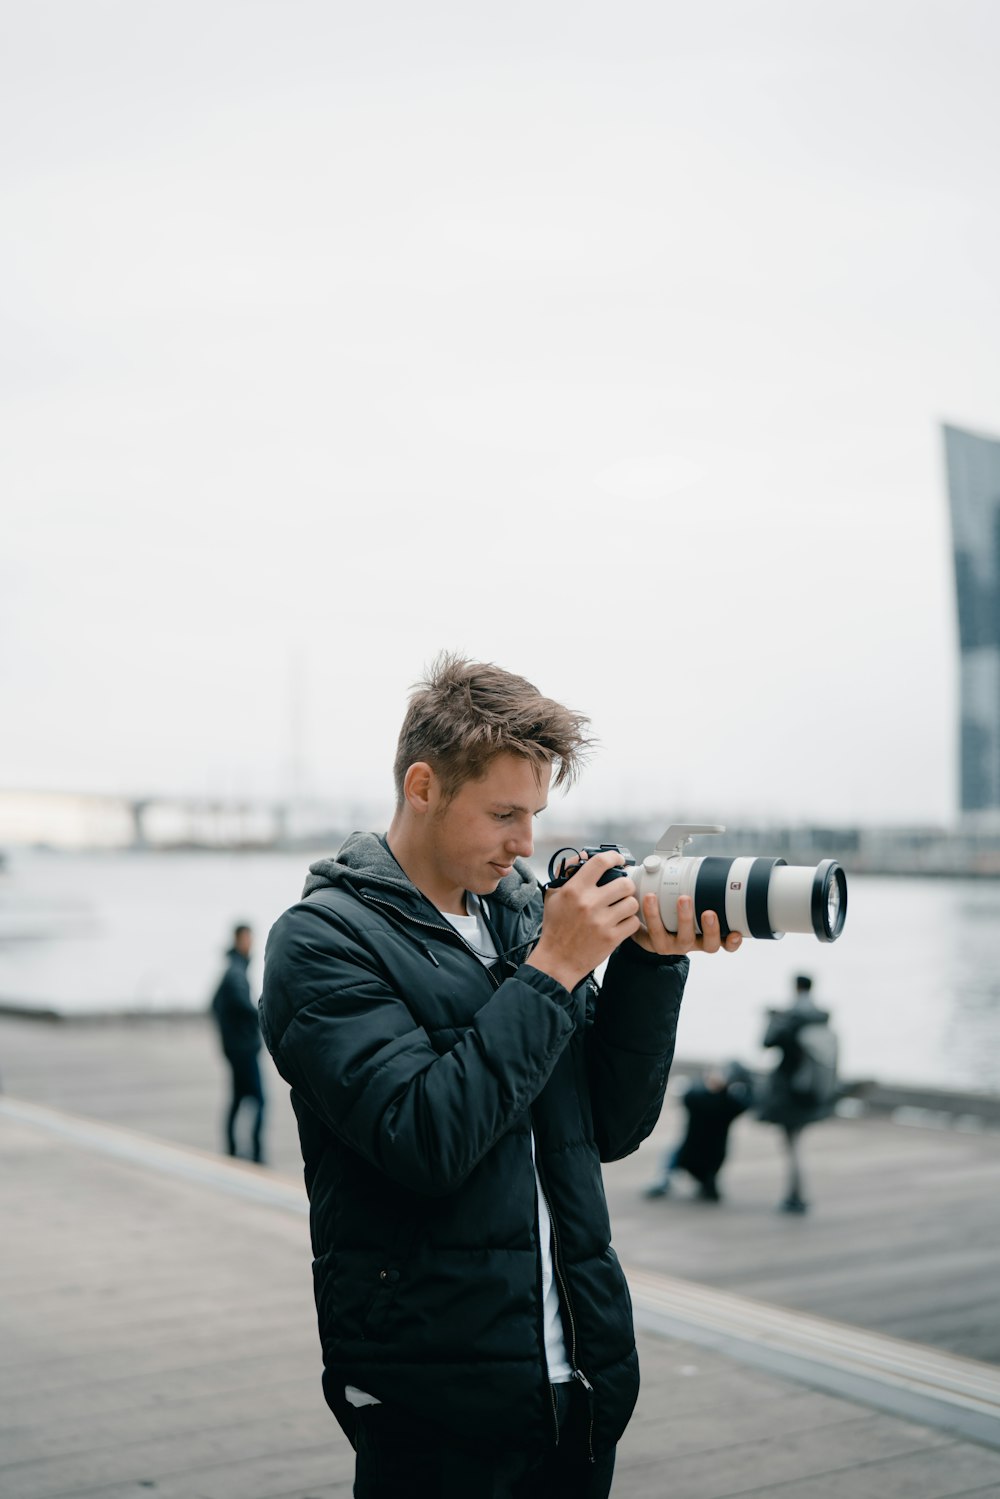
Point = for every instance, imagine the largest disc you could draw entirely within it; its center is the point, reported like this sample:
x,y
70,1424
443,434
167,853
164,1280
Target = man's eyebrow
x,y
513,807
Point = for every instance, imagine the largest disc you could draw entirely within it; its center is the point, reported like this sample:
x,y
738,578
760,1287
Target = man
x,y
803,1087
458,1077
239,1032
711,1102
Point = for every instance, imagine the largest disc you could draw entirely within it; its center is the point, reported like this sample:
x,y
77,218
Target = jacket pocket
x,y
386,1283
387,1275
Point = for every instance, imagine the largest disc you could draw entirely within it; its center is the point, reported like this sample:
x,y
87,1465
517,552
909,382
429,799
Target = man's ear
x,y
421,788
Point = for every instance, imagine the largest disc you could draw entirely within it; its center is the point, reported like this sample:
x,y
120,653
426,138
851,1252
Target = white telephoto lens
x,y
719,885
757,897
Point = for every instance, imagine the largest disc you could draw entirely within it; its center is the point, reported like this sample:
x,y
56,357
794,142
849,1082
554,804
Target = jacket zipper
x,y
541,1332
541,1304
577,1373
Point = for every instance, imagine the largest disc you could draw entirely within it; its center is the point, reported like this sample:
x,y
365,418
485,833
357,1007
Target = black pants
x,y
400,1458
792,1137
246,1085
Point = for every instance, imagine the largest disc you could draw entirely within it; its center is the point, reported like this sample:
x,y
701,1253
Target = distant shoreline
x,y
912,1103
889,853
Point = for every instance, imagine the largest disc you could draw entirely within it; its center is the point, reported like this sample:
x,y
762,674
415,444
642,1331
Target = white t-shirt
x,y
473,929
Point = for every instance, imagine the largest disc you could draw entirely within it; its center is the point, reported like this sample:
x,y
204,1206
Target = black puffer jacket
x,y
417,1076
234,1010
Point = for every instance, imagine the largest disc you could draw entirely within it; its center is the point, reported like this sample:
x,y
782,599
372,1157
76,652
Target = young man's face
x,y
474,838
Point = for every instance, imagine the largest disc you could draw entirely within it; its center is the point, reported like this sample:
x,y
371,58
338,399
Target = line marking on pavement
x,y
908,1379
237,1178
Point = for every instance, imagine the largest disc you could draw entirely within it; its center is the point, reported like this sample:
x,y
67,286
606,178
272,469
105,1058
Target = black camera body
x,y
561,869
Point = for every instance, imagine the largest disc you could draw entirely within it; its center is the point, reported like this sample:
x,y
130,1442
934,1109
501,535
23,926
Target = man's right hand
x,y
584,922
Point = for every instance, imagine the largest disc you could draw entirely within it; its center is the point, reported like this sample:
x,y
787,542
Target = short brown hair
x,y
468,712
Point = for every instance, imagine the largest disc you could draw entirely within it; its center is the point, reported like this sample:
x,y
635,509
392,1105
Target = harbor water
x,y
913,984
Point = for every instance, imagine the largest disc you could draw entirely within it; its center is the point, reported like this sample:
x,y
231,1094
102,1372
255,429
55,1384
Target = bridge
x,y
93,819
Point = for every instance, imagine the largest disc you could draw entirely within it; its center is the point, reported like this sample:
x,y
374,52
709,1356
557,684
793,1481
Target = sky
x,y
607,342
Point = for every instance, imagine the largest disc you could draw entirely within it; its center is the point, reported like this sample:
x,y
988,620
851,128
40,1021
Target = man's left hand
x,y
657,939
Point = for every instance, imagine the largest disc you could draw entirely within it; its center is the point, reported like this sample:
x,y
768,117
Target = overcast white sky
x,y
607,341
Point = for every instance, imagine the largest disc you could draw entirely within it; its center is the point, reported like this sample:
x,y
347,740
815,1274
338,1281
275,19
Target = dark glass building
x,y
974,491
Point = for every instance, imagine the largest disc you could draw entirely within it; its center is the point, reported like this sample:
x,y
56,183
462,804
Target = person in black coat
x,y
457,1077
711,1104
239,1033
803,1087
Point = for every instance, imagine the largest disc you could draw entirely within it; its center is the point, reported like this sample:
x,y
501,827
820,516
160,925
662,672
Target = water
x,y
913,984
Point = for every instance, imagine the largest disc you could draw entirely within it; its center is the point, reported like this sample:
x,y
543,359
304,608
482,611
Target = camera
x,y
759,897
561,869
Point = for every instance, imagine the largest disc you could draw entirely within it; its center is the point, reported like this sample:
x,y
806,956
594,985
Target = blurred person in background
x,y
803,1087
239,1032
712,1103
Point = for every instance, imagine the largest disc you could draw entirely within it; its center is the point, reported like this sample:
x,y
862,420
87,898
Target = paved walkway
x,y
157,1337
903,1239
157,1334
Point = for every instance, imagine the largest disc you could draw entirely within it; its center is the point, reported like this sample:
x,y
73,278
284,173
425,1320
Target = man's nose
x,y
522,842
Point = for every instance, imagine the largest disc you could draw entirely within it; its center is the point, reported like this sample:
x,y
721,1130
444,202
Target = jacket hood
x,y
366,859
